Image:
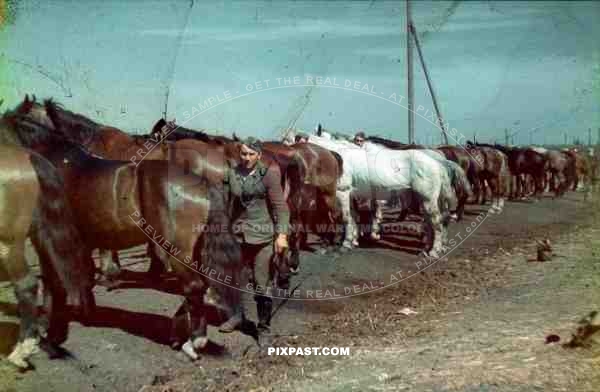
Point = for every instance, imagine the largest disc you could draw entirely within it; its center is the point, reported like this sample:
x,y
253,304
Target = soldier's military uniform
x,y
259,212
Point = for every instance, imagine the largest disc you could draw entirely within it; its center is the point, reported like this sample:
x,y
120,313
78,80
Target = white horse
x,y
458,179
370,169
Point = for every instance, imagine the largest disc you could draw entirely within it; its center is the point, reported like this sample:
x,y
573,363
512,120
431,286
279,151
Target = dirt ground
x,y
483,316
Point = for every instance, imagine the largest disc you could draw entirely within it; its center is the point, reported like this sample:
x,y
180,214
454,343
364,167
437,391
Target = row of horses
x,y
73,185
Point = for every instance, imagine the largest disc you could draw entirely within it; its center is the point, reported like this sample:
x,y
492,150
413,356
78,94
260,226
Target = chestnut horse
x,y
311,173
34,204
193,156
119,204
174,132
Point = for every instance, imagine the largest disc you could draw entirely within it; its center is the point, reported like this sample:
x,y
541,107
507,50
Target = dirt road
x,y
482,318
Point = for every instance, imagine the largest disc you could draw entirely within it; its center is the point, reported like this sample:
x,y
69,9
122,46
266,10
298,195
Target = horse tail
x,y
340,162
220,249
460,180
447,193
57,234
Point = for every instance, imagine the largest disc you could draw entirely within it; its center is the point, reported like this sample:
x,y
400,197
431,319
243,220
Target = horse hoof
x,y
432,254
375,236
188,349
453,217
344,249
347,245
22,351
294,271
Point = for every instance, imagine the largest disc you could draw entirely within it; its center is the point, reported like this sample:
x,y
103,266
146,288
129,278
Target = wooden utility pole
x,y
166,104
429,85
589,136
506,137
409,75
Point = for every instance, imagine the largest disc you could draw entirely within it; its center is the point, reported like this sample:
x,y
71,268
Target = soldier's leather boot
x,y
264,308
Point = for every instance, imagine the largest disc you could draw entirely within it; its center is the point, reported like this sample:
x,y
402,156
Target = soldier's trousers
x,y
256,277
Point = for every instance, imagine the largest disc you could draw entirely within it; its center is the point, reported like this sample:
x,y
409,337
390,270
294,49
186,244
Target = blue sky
x,y
495,65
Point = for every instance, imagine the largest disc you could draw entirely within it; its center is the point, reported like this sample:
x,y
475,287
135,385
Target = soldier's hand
x,y
281,243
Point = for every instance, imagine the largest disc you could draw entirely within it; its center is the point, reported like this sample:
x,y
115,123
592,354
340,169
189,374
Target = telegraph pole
x,y
429,85
409,74
589,136
506,137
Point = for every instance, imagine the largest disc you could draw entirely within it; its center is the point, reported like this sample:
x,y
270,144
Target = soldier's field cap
x,y
253,143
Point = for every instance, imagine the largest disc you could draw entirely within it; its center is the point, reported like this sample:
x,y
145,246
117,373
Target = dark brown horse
x,y
119,204
521,163
34,204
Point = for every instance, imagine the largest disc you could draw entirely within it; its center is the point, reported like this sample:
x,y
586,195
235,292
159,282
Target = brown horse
x,y
311,173
466,161
174,132
523,162
34,204
119,204
560,167
193,156
493,165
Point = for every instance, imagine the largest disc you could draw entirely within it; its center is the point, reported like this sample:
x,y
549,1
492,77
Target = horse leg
x,y
55,299
376,219
26,287
483,192
197,322
350,226
109,264
433,219
157,265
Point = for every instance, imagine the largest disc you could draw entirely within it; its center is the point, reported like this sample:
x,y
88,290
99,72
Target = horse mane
x,y
180,133
340,162
52,144
158,126
505,149
393,144
64,120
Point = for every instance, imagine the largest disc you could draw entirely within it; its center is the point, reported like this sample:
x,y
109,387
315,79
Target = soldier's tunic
x,y
259,202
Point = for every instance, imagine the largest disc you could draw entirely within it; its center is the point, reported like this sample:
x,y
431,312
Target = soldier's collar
x,y
258,168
